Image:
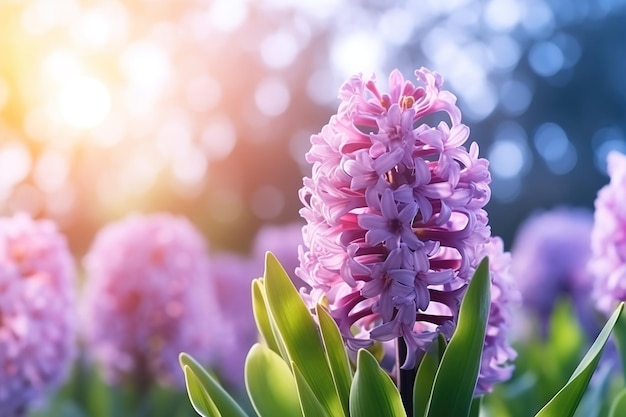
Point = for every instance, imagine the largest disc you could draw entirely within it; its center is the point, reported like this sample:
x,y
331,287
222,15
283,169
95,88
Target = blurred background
x,y
205,108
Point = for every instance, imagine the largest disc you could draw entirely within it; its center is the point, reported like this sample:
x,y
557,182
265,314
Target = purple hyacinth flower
x,y
147,298
550,255
608,238
37,312
394,212
498,355
283,241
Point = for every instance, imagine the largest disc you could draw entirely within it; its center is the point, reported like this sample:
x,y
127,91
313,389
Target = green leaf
x,y
226,405
456,378
373,393
475,408
593,402
199,398
299,334
564,403
618,408
336,355
311,406
261,316
426,376
619,335
270,384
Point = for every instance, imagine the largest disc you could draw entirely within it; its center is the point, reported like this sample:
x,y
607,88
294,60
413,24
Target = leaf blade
x,y
456,378
261,315
227,406
425,377
270,383
200,399
336,356
565,402
299,334
309,403
373,393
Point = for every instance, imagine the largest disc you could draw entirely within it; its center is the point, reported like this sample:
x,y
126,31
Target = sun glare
x,y
85,102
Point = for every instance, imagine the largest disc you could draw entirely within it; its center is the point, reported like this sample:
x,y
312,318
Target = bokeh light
x,y
84,102
206,108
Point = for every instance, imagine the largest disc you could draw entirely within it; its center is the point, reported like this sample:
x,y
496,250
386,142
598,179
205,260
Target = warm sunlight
x,y
85,102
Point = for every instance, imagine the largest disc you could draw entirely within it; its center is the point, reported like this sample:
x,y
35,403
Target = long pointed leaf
x,y
456,378
564,403
337,356
475,408
373,393
227,406
261,316
199,398
592,402
270,384
619,336
299,334
310,405
426,377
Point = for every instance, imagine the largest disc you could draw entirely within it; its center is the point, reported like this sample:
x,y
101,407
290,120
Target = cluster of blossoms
x,y
394,211
608,238
37,321
147,293
550,255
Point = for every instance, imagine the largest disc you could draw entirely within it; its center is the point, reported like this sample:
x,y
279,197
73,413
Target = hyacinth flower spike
x,y
394,211
607,263
147,292
37,312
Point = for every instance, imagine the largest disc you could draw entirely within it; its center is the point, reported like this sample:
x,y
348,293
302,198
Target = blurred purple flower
x,y
550,254
37,311
608,238
148,298
232,275
394,211
498,355
283,241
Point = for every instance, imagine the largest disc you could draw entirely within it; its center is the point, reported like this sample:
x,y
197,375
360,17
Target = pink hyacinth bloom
x,y
550,255
498,355
147,298
37,311
608,238
394,211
